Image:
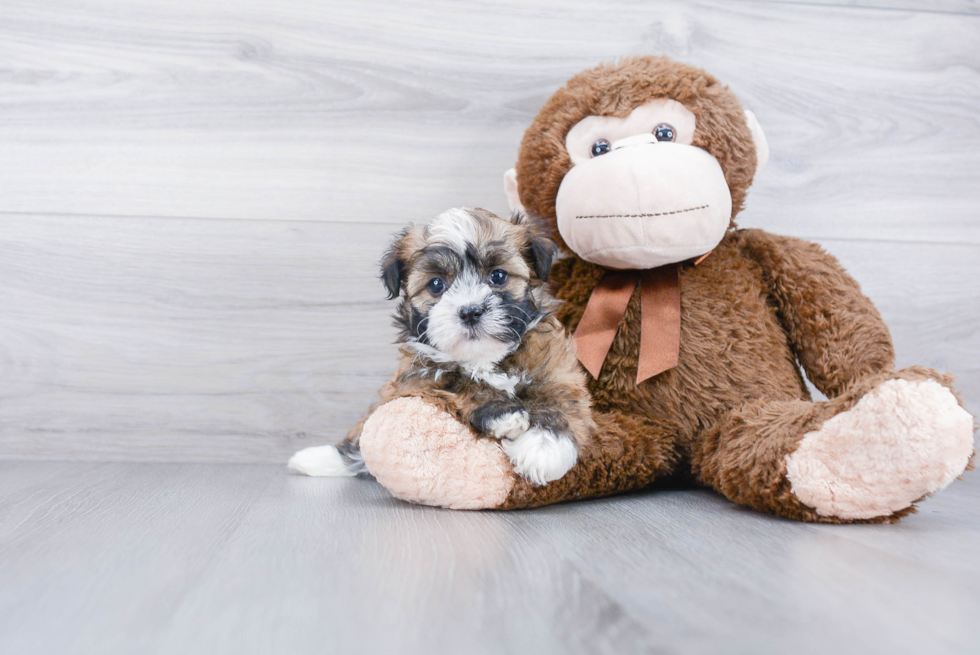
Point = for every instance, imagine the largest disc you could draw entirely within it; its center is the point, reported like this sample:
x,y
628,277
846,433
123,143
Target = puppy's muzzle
x,y
470,315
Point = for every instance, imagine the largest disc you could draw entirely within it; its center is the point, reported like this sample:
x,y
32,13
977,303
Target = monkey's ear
x,y
393,263
510,190
759,139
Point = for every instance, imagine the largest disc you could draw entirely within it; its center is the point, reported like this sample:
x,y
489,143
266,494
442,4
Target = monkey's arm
x,y
834,330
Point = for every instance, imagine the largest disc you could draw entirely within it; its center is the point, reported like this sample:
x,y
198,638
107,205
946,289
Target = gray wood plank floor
x,y
208,558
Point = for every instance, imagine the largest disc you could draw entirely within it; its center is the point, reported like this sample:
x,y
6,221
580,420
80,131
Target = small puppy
x,y
478,340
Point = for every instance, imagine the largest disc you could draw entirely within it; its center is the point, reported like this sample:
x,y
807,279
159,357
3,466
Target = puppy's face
x,y
471,283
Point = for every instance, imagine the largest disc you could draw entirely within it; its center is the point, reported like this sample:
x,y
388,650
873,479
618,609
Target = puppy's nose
x,y
470,315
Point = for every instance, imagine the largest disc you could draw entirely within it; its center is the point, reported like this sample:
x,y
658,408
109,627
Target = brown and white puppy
x,y
479,340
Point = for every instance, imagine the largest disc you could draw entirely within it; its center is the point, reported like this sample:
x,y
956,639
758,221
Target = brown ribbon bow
x,y
660,319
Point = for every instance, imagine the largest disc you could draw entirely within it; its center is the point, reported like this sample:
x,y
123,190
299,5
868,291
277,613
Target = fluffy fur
x,y
904,440
453,470
321,461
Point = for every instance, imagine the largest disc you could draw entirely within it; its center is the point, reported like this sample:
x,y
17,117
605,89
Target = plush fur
x,y
452,470
735,414
873,460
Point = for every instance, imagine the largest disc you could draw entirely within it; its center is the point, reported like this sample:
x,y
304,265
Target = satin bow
x,y
660,319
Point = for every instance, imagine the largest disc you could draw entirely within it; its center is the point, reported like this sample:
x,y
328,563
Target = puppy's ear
x,y
394,263
544,252
539,250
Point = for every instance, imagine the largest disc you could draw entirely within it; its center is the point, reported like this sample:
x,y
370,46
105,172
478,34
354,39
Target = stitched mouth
x,y
677,211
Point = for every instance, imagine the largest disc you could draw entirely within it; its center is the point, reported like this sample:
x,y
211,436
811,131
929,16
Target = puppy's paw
x,y
501,419
509,426
541,455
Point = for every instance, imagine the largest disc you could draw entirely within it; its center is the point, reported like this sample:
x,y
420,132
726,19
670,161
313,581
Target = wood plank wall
x,y
194,195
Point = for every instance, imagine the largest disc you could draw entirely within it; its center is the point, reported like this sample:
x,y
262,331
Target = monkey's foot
x,y
423,455
900,442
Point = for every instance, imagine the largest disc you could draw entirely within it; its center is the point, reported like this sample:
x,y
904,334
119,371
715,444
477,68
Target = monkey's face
x,y
472,284
639,164
639,194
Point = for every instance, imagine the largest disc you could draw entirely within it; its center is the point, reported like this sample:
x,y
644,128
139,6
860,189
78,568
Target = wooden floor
x,y
212,558
193,199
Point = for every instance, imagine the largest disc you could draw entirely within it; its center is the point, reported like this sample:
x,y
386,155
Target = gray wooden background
x,y
193,195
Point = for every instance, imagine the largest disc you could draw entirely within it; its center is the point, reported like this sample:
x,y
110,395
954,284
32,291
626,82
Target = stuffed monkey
x,y
693,331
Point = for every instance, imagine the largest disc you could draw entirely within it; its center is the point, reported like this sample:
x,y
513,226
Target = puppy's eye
x,y
436,286
600,147
664,132
498,277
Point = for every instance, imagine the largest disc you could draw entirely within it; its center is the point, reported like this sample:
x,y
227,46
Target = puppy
x,y
478,340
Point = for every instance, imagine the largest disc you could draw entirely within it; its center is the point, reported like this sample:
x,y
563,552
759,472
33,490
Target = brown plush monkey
x,y
641,167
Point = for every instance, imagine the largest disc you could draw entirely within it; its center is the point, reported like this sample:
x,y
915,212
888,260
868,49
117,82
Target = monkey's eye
x,y
664,132
498,277
600,147
436,286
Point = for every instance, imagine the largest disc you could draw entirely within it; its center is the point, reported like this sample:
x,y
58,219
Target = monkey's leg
x,y
867,455
626,452
423,454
